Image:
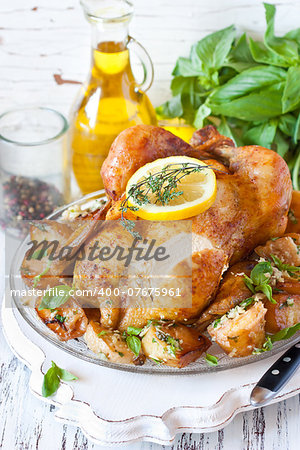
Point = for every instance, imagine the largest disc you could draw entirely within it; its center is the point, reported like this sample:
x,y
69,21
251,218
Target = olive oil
x,y
111,103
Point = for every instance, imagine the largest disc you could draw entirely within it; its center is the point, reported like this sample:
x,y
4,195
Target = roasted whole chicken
x,y
253,199
252,207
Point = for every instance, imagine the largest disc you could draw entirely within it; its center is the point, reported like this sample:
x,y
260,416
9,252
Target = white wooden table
x,y
44,49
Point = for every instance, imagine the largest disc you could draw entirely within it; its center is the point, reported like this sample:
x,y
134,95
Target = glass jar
x,y
111,99
31,166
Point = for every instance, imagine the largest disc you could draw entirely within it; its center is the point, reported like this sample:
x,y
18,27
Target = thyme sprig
x,y
162,186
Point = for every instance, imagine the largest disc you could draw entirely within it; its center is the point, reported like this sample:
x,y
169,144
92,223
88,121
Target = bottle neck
x,y
104,35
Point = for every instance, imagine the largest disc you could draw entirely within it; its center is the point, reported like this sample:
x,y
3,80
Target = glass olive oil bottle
x,y
111,100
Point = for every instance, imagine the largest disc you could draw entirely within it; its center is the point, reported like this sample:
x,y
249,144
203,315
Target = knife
x,y
276,377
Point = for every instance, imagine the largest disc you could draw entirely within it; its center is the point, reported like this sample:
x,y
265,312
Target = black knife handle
x,y
276,377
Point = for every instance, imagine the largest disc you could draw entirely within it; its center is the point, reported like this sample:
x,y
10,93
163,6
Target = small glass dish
x,y
77,347
31,166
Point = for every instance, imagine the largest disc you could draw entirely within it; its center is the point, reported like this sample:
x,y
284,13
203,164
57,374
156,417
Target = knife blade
x,y
276,377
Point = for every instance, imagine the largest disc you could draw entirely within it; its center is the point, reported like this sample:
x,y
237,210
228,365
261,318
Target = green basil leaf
x,y
296,133
213,49
267,290
180,85
284,47
286,333
225,129
50,301
287,124
203,112
262,134
258,272
241,52
296,174
249,283
246,82
211,359
280,144
291,93
134,344
187,68
65,375
257,106
294,35
171,108
133,331
262,54
240,57
51,382
52,379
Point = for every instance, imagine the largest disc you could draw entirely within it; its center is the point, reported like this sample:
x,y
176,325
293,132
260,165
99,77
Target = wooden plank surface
x,y
44,54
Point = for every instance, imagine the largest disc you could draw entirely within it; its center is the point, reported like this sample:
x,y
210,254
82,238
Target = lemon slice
x,y
199,190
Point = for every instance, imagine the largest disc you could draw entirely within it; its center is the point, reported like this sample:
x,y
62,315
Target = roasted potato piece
x,y
293,225
174,344
109,344
231,292
109,317
286,248
285,313
289,286
240,335
68,322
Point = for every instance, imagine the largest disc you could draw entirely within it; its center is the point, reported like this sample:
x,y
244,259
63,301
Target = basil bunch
x,y
250,90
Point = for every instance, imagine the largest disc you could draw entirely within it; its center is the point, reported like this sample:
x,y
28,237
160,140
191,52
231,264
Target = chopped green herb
x,y
211,359
121,354
292,217
102,333
284,267
60,318
157,361
173,343
268,345
216,322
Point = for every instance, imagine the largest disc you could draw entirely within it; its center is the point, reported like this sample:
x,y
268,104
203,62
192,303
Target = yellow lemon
x,y
198,189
